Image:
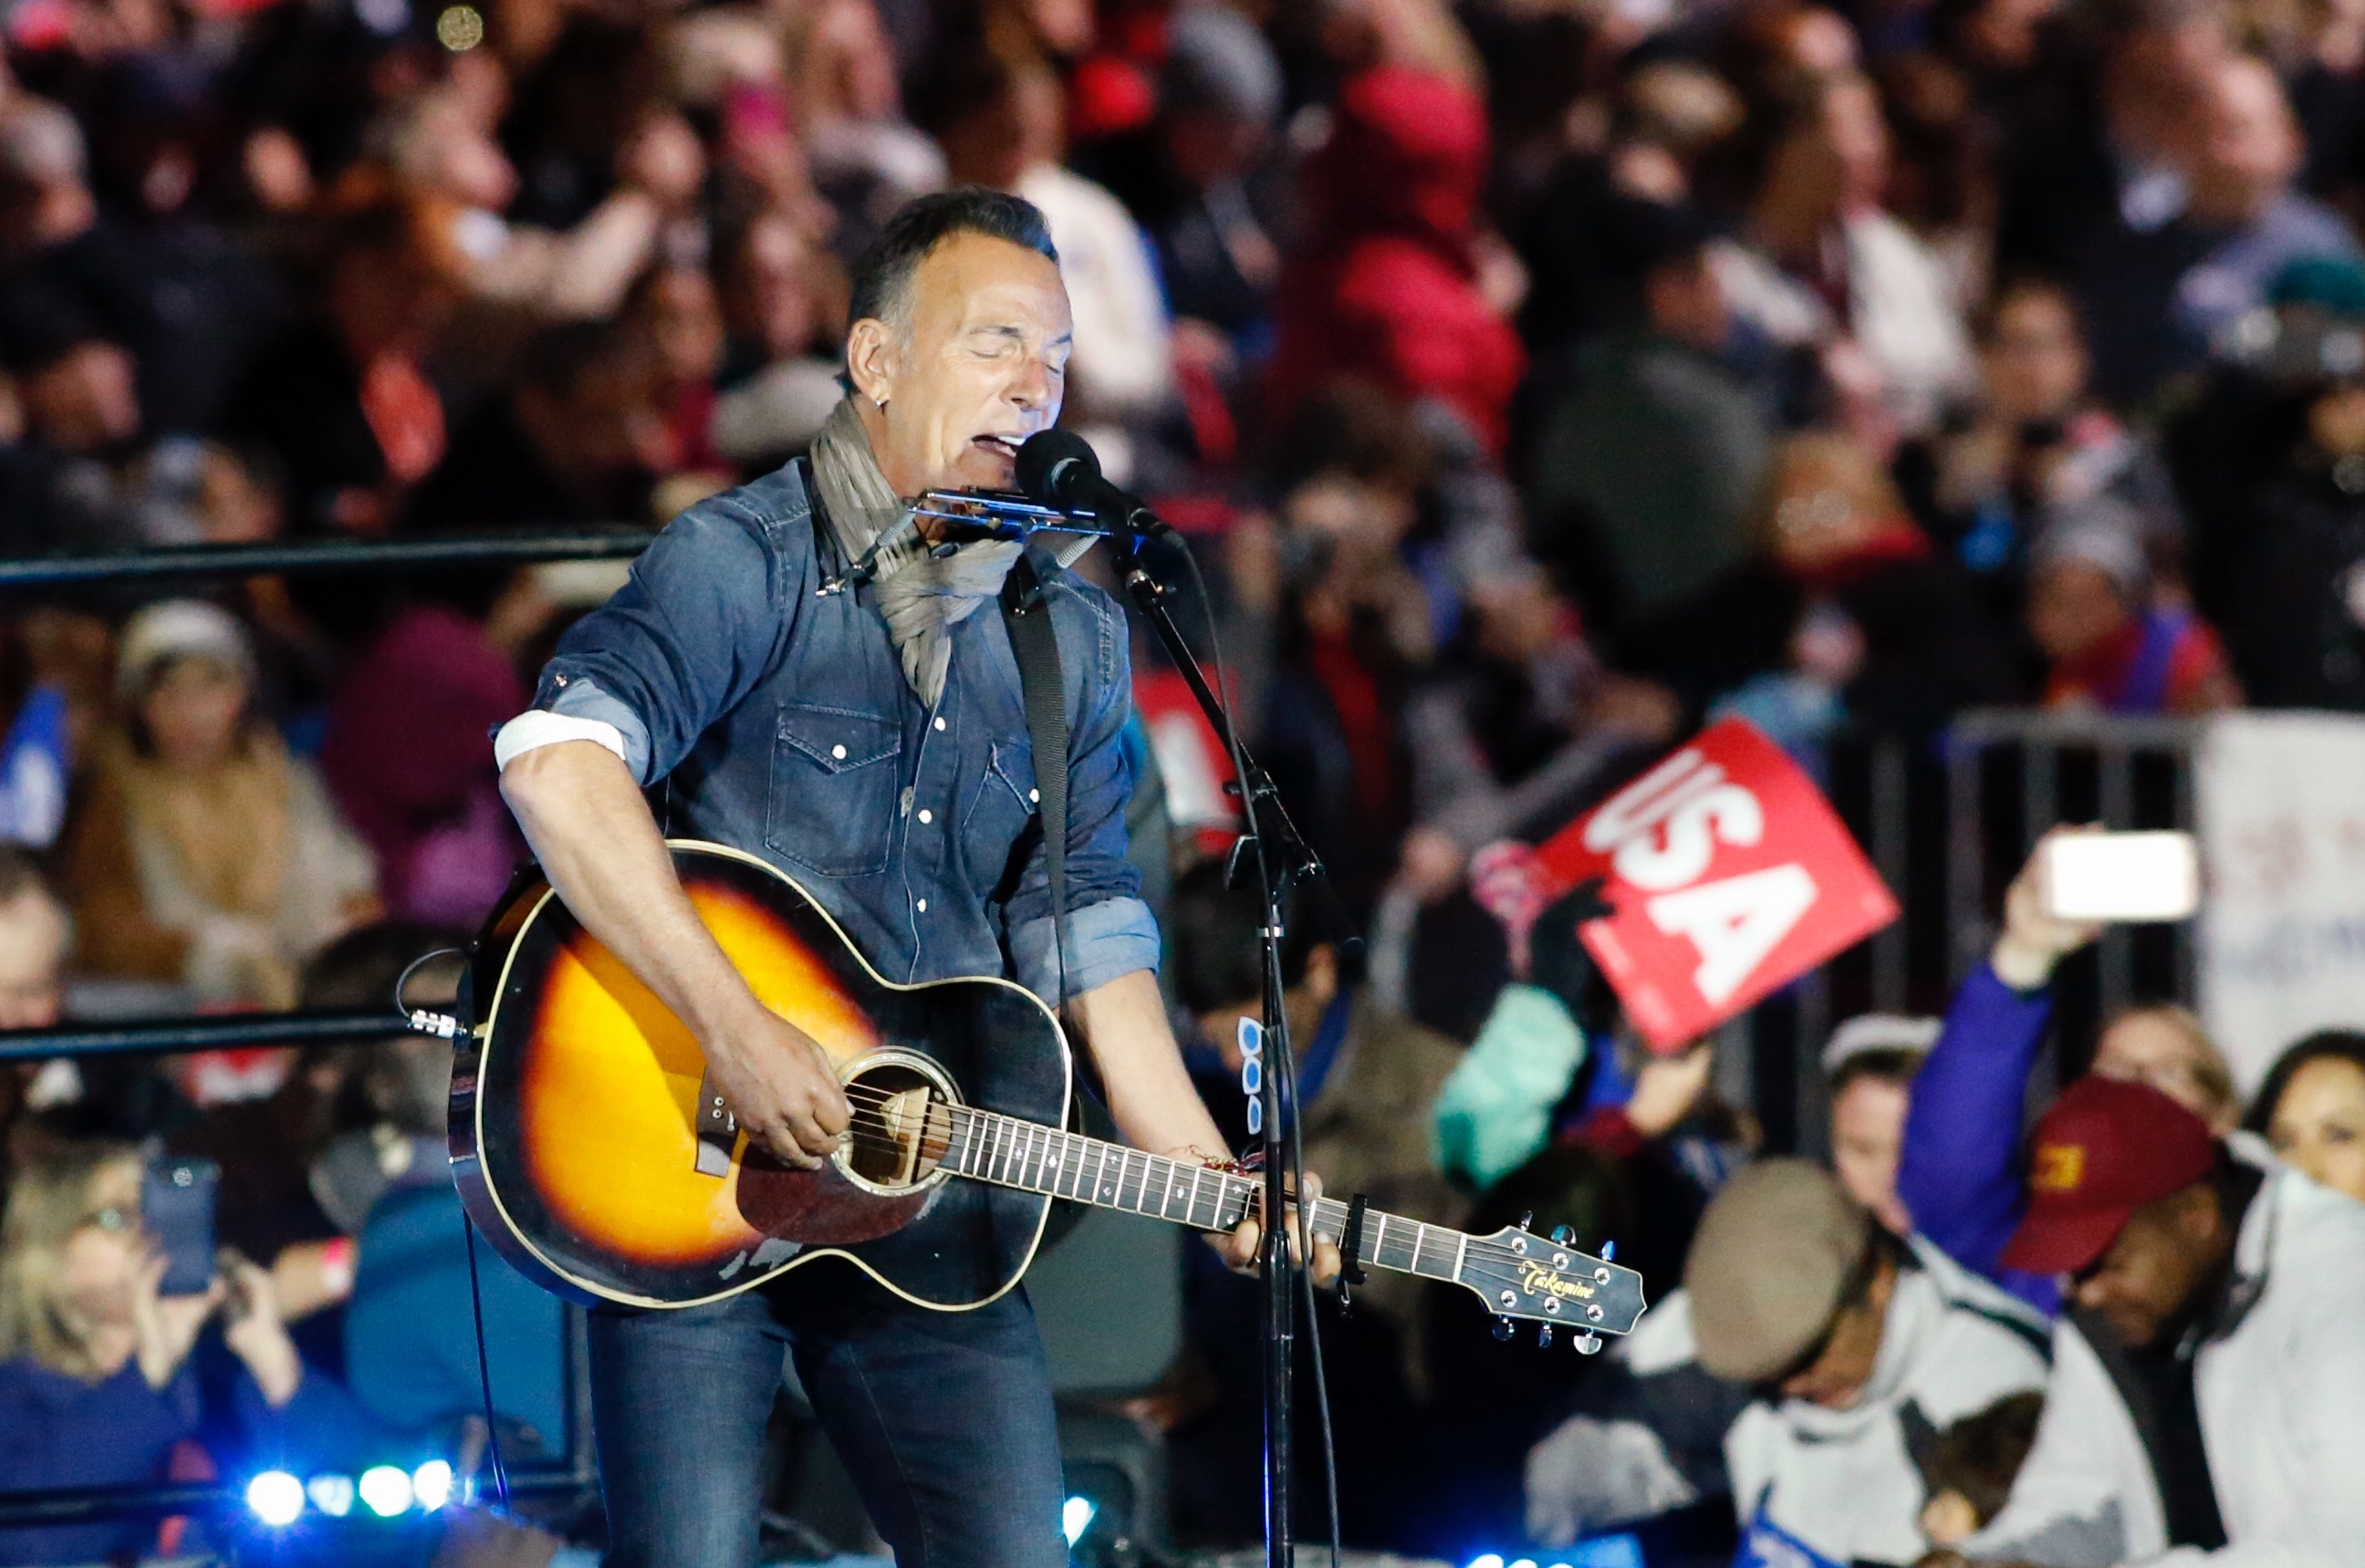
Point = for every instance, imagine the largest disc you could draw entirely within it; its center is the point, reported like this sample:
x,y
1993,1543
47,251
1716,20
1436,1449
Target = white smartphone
x,y
2120,877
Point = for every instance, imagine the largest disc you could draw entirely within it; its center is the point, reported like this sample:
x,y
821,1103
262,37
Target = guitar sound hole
x,y
901,1126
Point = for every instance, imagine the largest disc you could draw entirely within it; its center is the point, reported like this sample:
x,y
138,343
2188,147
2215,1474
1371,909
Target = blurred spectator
x,y
408,753
576,438
2091,611
1650,445
1384,284
867,159
1849,1341
1192,176
676,319
1869,1067
34,934
411,1346
207,855
345,397
779,291
2035,450
2158,302
2208,1387
66,484
1844,608
95,1386
1960,1173
2311,1109
1826,262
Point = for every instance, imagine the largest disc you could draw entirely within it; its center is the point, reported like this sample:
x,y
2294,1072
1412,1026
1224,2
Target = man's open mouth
x,y
1005,445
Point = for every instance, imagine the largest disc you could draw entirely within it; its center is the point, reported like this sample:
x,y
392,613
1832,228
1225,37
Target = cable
x,y
445,1026
1284,1062
484,1367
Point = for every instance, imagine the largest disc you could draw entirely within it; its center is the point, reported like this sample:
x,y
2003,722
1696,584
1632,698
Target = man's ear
x,y
873,359
2197,1214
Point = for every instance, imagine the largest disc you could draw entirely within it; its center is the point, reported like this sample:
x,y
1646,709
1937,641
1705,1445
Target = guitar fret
x,y
1165,1197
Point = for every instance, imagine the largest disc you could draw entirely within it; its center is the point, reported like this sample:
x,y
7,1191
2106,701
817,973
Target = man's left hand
x,y
1239,1249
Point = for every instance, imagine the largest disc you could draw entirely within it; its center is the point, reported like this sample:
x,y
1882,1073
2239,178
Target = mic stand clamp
x,y
1284,861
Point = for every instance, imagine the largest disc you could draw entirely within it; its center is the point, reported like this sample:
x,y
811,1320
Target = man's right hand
x,y
780,1084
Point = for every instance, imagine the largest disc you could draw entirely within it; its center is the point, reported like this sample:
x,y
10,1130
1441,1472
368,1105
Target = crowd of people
x,y
1534,380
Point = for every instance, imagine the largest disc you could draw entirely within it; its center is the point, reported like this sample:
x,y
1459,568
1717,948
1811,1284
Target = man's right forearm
x,y
593,835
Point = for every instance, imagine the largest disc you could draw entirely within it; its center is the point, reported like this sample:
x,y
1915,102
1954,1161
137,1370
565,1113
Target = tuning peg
x,y
1588,1343
1543,1336
1608,1250
1502,1329
1528,1220
1563,1234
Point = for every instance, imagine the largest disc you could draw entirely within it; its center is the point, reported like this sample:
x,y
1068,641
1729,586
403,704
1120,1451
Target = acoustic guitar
x,y
592,1152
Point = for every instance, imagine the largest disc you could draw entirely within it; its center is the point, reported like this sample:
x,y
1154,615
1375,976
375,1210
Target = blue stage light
x,y
1487,1559
333,1494
275,1497
386,1490
431,1483
1076,1517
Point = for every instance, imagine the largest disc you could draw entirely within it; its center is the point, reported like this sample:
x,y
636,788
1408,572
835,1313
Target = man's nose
x,y
1032,387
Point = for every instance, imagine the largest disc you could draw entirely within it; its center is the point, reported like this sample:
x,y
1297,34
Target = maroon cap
x,y
2104,1150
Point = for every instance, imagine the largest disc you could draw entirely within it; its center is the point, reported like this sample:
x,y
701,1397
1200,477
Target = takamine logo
x,y
1538,1279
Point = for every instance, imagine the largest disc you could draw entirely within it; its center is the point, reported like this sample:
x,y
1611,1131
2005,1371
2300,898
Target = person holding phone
x,y
96,1388
1959,1172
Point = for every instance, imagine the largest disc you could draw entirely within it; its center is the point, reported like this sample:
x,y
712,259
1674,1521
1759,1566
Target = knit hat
x,y
179,629
2105,1149
1770,1266
1216,59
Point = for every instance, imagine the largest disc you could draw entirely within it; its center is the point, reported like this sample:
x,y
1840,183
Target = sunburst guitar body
x,y
590,1152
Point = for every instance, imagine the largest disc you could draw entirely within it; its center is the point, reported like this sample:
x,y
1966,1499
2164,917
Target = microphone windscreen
x,y
1050,460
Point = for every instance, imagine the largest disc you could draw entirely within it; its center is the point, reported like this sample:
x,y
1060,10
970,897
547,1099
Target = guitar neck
x,y
987,1146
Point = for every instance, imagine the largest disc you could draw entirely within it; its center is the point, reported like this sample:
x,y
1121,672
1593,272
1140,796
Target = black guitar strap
x,y
1026,612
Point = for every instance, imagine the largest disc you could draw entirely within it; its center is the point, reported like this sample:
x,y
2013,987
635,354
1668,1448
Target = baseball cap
x,y
1770,1265
2103,1151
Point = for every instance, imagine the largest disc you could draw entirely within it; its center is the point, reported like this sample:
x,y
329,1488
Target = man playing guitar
x,y
872,742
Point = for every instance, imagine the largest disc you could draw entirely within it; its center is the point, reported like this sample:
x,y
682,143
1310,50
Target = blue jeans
x,y
944,1419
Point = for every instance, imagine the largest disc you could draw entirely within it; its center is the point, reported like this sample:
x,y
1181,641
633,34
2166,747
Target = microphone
x,y
1059,468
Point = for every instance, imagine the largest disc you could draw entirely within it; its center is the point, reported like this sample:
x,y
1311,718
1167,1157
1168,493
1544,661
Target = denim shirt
x,y
781,723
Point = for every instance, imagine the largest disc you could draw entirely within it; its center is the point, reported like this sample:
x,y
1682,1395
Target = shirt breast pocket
x,y
998,813
832,806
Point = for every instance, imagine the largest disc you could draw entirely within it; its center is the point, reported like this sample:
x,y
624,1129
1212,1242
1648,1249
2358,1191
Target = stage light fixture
x,y
431,1483
275,1497
333,1494
386,1490
1076,1517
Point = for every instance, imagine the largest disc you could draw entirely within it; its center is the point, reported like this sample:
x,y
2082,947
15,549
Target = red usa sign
x,y
1730,875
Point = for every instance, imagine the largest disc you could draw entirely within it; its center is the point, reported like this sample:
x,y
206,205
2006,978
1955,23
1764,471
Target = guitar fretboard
x,y
1005,1151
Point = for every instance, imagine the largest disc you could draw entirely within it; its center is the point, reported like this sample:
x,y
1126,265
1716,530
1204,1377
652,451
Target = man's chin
x,y
981,469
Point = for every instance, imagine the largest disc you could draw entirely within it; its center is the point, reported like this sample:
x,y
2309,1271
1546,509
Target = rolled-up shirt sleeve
x,y
696,627
1111,932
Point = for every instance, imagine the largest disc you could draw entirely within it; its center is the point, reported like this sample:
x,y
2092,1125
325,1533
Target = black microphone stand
x,y
1284,861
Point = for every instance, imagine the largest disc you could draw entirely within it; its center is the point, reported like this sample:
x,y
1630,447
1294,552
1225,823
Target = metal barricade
x,y
1948,821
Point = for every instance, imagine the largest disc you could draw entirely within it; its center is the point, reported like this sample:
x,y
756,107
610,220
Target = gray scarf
x,y
922,595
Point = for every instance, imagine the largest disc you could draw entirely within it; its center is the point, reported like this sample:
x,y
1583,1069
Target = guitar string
x,y
1492,1262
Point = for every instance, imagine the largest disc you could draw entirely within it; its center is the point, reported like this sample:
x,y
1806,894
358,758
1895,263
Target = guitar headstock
x,y
1541,1279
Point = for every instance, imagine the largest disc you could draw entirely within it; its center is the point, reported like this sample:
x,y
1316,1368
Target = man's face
x,y
2162,1257
1836,1377
33,948
2151,1048
1867,1131
979,365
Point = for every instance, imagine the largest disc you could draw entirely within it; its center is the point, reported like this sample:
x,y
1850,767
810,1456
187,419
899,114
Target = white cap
x,y
179,629
1878,1032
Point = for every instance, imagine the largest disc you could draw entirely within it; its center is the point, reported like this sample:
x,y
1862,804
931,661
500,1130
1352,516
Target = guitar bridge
x,y
717,1130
